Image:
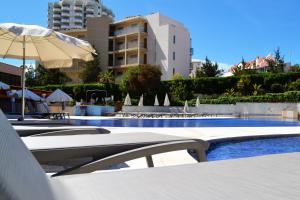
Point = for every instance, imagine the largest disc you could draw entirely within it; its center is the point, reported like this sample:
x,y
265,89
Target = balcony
x,y
56,16
132,60
129,30
78,14
132,45
56,21
78,8
77,27
65,14
120,62
64,8
65,27
89,15
65,20
90,10
120,46
55,9
76,20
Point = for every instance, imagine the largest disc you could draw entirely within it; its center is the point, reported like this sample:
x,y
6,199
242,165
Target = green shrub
x,y
294,85
78,91
277,88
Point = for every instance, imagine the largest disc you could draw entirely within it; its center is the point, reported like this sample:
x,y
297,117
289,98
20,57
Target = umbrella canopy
x,y
186,107
198,102
156,103
51,49
4,86
28,95
127,101
167,101
141,102
59,96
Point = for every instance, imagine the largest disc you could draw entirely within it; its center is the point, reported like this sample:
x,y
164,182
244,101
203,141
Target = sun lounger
x,y
56,149
273,177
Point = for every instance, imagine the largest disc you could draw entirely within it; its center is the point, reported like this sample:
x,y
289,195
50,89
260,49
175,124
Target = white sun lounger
x,y
55,149
274,177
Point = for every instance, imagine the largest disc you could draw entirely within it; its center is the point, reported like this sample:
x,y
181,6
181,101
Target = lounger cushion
x,y
21,177
273,177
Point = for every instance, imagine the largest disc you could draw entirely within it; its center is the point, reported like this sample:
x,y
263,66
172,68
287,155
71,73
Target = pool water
x,y
160,123
251,148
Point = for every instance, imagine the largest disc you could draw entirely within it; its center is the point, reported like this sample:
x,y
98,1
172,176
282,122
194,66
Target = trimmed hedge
x,y
219,85
289,97
78,91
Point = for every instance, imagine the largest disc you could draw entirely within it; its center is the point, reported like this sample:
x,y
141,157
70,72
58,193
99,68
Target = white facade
x,y
195,65
72,14
169,45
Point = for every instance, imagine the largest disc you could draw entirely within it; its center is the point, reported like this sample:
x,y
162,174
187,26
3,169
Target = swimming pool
x,y
252,147
160,123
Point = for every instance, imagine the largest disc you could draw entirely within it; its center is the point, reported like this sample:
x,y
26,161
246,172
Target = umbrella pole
x,y
23,82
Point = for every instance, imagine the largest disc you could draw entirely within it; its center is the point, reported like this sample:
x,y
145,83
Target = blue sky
x,y
223,30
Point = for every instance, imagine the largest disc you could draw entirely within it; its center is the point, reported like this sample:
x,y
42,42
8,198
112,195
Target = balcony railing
x,y
89,15
131,61
56,9
64,8
120,47
65,20
120,62
56,16
64,14
129,30
78,8
132,45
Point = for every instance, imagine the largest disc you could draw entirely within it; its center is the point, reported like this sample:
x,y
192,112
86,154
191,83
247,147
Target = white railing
x,y
65,14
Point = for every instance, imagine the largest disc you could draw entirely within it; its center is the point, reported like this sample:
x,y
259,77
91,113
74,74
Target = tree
x,y
41,76
142,79
91,71
106,77
277,65
210,69
30,76
177,76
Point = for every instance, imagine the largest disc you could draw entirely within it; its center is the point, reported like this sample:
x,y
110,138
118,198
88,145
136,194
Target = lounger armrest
x,y
74,132
147,152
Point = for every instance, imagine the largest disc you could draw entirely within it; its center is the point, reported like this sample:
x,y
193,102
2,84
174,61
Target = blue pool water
x,y
251,148
229,122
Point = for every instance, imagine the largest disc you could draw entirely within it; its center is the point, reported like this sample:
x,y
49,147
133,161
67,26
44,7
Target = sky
x,y
224,30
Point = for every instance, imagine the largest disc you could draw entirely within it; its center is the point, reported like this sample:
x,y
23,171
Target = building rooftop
x,y
10,69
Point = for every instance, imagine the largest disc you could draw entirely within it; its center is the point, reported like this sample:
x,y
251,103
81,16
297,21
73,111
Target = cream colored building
x,y
153,39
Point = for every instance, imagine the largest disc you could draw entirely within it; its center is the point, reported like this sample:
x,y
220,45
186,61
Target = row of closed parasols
x,y
127,102
57,96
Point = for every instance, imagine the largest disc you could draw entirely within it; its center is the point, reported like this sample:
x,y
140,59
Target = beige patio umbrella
x,y
51,49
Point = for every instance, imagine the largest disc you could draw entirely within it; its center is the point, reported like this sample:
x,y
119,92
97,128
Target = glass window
x,y
174,55
174,39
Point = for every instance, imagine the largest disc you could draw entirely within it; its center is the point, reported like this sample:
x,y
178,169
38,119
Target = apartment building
x,y
10,74
73,14
154,39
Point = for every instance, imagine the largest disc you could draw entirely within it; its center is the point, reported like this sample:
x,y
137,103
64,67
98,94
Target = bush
x,y
294,85
78,91
144,79
277,88
182,91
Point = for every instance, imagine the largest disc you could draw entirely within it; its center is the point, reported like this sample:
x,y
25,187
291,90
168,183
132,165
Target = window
x,y
173,71
174,56
174,39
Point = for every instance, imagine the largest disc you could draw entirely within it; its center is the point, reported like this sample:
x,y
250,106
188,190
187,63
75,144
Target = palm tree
x,y
257,89
106,77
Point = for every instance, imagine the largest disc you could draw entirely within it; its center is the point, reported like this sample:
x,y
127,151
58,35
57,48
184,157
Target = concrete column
x,y
125,49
